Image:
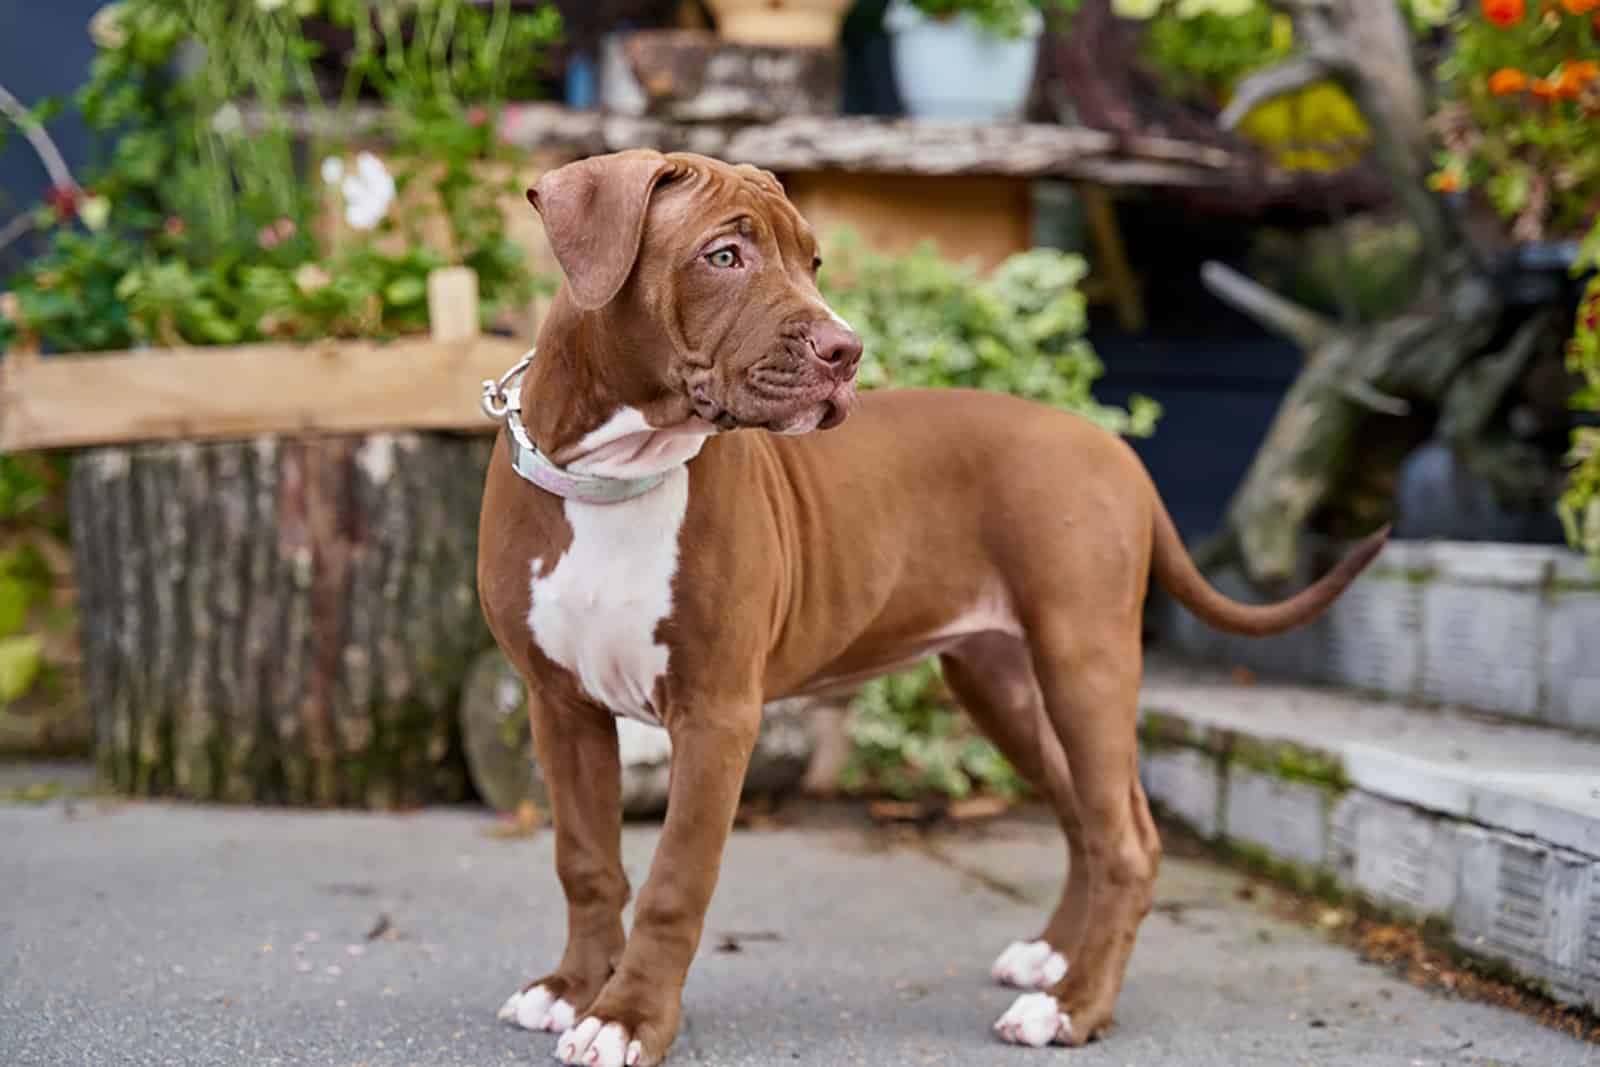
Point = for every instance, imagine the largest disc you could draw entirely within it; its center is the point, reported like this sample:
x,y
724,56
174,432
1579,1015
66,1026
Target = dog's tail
x,y
1179,576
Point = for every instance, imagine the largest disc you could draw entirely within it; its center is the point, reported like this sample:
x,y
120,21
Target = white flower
x,y
332,169
1435,12
310,277
1135,9
226,119
95,211
367,193
106,29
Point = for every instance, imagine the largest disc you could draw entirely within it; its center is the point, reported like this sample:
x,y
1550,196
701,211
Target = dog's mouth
x,y
800,412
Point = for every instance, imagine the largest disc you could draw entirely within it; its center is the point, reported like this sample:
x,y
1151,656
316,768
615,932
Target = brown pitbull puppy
x,y
1013,541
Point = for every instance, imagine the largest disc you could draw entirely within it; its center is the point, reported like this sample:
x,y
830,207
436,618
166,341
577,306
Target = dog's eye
x,y
816,264
724,257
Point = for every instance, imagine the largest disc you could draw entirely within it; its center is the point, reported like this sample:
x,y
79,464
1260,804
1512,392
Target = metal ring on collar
x,y
496,402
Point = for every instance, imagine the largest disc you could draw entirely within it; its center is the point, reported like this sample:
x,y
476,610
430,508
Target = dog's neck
x,y
581,415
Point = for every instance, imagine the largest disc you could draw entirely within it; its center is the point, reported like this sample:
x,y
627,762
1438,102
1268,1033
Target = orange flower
x,y
1546,88
1505,12
1507,80
1444,182
1572,77
1579,7
1582,72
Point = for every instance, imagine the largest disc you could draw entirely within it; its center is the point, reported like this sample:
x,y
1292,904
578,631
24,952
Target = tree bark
x,y
283,620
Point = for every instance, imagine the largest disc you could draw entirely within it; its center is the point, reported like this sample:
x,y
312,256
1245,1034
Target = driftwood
x,y
886,145
1354,372
280,620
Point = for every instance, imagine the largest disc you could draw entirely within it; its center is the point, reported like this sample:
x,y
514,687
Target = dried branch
x,y
49,155
1360,392
1290,76
1277,313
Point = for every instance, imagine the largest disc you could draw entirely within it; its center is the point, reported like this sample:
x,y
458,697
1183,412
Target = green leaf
x,y
20,660
16,597
404,291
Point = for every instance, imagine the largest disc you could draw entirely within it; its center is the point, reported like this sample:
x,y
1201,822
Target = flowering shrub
x,y
1580,505
202,226
1523,110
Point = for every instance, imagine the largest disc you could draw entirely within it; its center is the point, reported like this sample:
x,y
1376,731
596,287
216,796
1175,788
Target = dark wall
x,y
1219,377
45,51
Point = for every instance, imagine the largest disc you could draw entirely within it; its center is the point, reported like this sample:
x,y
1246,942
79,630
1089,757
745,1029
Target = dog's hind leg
x,y
992,676
1089,677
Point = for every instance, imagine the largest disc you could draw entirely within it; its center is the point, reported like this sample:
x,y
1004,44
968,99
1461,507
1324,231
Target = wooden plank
x,y
1024,150
331,387
970,218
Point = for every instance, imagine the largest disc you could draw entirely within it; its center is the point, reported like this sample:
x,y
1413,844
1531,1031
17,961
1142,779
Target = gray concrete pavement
x,y
153,934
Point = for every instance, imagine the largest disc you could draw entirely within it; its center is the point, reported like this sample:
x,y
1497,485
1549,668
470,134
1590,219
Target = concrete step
x,y
1489,826
1511,630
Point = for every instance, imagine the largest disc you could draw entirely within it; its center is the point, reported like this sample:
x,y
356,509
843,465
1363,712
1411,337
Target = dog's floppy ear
x,y
593,213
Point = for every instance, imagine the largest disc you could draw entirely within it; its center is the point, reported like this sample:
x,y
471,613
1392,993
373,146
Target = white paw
x,y
1034,1019
598,1045
536,1009
1029,965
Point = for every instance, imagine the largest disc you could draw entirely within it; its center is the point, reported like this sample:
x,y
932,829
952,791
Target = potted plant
x,y
964,59
780,23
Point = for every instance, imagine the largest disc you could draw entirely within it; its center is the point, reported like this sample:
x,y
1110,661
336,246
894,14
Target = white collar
x,y
502,401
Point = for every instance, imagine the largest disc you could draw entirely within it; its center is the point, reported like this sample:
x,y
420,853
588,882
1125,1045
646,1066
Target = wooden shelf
x,y
896,146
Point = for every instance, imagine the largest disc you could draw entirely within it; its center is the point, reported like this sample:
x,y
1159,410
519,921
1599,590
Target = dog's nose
x,y
837,346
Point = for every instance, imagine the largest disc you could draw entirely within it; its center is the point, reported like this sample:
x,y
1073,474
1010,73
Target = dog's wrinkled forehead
x,y
704,192
596,212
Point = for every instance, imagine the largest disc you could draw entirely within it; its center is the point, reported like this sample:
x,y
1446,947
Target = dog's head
x,y
702,278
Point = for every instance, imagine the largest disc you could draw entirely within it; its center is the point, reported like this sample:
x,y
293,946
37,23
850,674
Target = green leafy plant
x,y
908,738
208,221
1202,48
1580,504
1003,18
926,321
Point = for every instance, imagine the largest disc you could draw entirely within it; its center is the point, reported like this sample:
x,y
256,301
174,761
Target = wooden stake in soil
x,y
453,303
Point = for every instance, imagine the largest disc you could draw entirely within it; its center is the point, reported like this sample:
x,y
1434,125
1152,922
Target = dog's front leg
x,y
635,1018
577,749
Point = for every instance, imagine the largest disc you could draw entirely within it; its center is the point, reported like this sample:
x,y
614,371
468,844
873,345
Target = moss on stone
x,y
1164,729
1289,762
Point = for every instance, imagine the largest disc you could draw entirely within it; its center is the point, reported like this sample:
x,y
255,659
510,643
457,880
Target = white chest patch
x,y
597,611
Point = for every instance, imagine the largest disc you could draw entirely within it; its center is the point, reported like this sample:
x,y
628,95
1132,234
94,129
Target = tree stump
x,y
280,620
500,756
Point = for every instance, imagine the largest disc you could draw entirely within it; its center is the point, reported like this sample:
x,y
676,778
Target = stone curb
x,y
1503,892
1510,630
